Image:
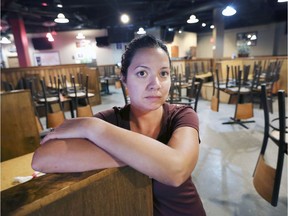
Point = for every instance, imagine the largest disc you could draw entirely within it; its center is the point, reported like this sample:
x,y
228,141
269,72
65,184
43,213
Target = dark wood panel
x,y
115,191
19,134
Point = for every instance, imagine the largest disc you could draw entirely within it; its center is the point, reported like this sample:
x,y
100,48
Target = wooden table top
x,y
20,166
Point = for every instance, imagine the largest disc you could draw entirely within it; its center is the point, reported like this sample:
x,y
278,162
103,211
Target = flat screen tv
x,y
102,41
41,43
120,35
167,36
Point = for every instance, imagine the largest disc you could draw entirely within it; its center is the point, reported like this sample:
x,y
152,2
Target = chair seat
x,y
91,94
49,99
242,89
80,94
275,134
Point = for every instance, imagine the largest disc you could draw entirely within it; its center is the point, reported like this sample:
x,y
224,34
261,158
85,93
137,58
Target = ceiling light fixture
x,y
141,31
80,36
50,37
5,40
212,27
254,37
61,18
228,11
58,3
281,1
192,19
203,24
124,18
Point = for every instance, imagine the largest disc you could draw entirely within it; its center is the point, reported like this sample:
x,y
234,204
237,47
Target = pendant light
x,y
61,18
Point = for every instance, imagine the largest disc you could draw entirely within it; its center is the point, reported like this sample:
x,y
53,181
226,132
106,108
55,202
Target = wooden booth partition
x,y
116,191
191,67
19,133
221,64
14,75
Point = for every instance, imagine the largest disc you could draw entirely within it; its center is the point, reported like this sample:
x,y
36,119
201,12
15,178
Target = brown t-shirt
x,y
168,200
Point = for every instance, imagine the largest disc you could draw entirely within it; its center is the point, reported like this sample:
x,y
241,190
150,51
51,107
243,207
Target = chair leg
x,y
238,121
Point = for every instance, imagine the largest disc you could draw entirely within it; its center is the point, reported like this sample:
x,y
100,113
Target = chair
x,y
243,110
125,93
216,92
82,93
53,118
267,179
246,71
193,94
7,86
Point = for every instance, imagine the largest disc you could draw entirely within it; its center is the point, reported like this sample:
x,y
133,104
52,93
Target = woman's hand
x,y
72,128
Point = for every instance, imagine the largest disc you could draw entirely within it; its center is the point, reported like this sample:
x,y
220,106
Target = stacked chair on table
x,y
267,178
215,99
244,102
192,93
81,93
53,106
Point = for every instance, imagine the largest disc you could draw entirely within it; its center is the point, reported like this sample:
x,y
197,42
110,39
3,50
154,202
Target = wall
x,y
87,52
65,47
272,40
184,41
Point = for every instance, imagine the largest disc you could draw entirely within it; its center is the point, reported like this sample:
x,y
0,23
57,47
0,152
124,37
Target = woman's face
x,y
148,79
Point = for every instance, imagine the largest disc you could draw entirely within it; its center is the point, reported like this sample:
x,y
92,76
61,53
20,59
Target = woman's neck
x,y
148,124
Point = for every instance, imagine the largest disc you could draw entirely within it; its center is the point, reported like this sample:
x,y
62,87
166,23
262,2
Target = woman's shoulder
x,y
114,114
180,115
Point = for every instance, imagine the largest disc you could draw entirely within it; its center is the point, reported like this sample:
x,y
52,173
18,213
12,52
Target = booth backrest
x,y
14,75
19,133
115,191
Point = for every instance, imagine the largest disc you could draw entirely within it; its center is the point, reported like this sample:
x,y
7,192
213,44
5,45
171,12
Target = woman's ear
x,y
122,78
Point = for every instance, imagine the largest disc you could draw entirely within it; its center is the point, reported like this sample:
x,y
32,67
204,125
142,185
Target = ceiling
x,y
99,14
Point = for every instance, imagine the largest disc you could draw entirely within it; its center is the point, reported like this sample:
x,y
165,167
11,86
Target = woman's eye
x,y
164,73
142,74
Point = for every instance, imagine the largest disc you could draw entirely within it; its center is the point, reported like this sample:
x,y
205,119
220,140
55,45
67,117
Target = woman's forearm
x,y
166,164
71,155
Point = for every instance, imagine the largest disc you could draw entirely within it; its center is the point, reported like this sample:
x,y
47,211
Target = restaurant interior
x,y
61,59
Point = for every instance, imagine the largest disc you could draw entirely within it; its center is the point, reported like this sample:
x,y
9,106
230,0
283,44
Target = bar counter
x,y
115,191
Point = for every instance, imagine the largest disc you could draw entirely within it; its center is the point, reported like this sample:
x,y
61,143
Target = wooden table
x,y
19,166
116,191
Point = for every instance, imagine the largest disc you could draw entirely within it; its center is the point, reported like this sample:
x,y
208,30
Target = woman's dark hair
x,y
144,41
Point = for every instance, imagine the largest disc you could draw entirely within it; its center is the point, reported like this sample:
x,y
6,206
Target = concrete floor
x,y
228,155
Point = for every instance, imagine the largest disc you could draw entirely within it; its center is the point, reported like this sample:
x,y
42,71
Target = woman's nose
x,y
155,83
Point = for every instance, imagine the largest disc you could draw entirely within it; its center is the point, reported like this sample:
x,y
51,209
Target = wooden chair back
x,y
216,92
267,179
264,179
84,111
55,119
244,111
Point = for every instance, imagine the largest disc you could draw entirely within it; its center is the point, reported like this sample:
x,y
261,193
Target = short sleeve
x,y
184,116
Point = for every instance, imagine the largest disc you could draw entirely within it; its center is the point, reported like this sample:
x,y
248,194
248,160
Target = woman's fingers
x,y
71,128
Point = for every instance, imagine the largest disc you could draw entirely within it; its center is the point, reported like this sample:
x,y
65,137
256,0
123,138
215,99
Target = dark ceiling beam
x,y
189,11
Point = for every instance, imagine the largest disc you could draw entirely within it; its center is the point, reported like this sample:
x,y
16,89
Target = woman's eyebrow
x,y
146,67
141,66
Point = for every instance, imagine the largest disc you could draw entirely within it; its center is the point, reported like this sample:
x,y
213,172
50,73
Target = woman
x,y
158,139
